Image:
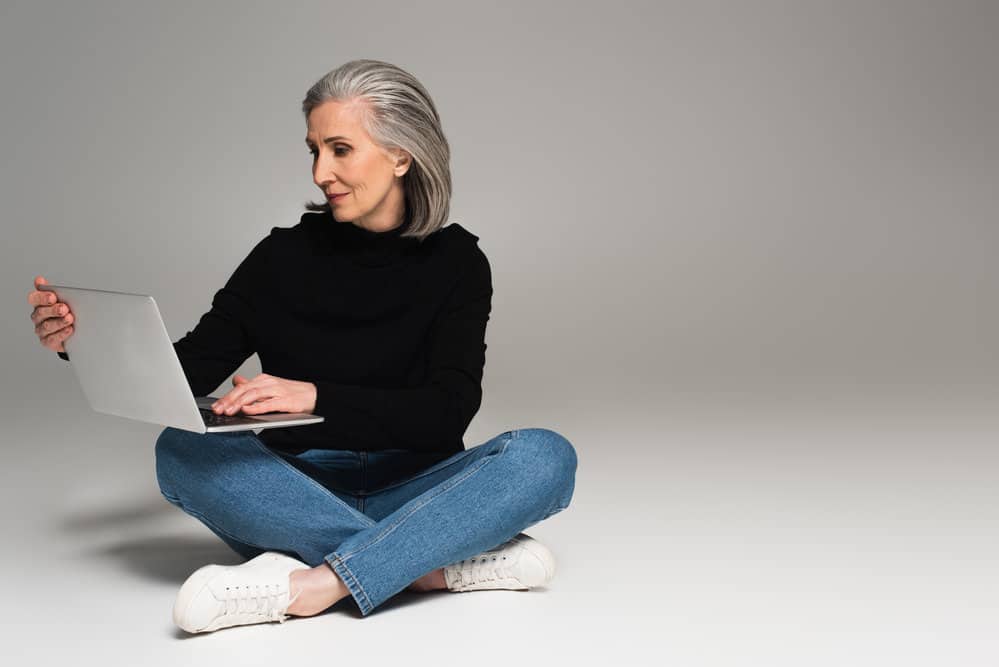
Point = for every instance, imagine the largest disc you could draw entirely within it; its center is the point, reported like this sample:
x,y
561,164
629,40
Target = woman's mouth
x,y
335,198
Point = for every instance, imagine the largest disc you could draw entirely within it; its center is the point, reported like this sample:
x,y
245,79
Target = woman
x,y
371,313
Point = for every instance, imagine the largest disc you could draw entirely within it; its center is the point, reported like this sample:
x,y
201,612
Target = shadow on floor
x,y
114,517
169,558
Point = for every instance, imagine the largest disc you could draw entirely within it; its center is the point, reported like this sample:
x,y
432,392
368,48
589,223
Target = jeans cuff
x,y
360,597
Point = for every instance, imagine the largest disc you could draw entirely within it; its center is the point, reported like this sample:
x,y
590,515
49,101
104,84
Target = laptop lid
x,y
127,366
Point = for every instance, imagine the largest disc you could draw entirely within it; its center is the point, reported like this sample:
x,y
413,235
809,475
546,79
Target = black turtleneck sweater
x,y
391,331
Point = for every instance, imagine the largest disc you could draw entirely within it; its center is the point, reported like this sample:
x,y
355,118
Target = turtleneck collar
x,y
367,247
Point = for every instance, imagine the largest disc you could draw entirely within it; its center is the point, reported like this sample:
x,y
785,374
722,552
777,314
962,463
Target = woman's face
x,y
346,160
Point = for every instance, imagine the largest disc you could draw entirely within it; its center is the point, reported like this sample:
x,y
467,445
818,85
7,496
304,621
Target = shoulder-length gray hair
x,y
397,113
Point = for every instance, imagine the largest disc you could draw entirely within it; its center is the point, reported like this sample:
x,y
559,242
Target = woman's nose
x,y
322,173
323,178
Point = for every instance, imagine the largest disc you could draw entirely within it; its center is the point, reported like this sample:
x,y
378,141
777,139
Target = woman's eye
x,y
340,150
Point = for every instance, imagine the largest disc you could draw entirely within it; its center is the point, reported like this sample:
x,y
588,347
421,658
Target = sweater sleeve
x,y
433,416
222,339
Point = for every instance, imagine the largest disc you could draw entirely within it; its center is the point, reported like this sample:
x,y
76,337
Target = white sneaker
x,y
519,564
220,596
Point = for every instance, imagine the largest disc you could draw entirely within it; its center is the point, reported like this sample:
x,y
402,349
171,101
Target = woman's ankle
x,y
431,581
315,590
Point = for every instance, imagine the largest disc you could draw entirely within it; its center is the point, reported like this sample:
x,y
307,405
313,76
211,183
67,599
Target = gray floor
x,y
712,531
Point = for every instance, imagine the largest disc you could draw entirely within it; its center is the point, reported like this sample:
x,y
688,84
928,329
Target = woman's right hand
x,y
53,319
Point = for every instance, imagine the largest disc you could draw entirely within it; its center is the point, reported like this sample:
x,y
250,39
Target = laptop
x,y
127,366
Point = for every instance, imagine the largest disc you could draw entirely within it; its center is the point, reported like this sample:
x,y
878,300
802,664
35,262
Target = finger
x,y
266,405
40,298
58,337
218,405
53,324
235,398
42,313
246,398
33,297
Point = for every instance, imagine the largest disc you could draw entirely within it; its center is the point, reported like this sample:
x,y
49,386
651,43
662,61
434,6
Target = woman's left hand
x,y
266,393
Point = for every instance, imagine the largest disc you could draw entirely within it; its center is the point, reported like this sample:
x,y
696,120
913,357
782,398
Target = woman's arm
x,y
221,341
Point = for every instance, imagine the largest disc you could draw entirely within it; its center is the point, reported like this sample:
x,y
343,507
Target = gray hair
x,y
398,113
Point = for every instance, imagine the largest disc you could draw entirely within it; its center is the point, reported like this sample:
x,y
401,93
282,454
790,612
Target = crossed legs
x,y
256,501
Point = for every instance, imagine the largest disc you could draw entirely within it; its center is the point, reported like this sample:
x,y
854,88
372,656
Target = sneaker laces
x,y
485,567
266,602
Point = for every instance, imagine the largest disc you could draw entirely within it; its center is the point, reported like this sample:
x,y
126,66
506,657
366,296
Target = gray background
x,y
743,258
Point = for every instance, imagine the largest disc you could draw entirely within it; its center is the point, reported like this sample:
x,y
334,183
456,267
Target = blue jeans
x,y
380,519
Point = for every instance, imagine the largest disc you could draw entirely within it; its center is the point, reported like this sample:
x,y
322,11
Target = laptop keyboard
x,y
212,419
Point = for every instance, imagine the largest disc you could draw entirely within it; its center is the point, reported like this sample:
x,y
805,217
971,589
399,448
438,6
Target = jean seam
x,y
261,445
554,512
422,473
339,561
201,517
447,486
435,467
353,585
173,500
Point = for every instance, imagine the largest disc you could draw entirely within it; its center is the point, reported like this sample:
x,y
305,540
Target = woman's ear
x,y
402,161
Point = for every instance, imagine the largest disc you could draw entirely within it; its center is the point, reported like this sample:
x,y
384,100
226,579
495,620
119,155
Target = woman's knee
x,y
174,449
175,444
544,443
184,458
548,456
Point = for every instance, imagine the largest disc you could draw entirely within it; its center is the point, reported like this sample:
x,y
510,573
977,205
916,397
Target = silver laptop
x,y
127,366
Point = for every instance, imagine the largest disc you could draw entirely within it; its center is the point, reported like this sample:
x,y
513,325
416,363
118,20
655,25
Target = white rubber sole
x,y
192,592
539,551
194,585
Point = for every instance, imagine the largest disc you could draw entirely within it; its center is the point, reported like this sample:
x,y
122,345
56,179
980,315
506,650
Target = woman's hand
x,y
266,393
52,318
